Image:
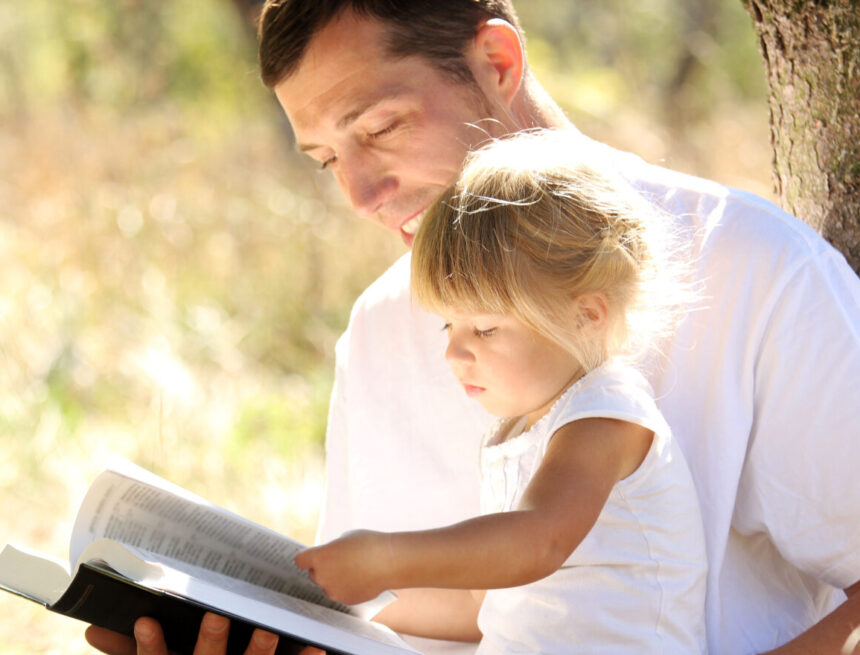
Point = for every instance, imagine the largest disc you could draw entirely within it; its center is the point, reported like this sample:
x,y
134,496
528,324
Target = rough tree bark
x,y
811,51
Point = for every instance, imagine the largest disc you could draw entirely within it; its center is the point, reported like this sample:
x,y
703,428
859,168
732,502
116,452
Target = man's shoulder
x,y
722,216
390,288
385,303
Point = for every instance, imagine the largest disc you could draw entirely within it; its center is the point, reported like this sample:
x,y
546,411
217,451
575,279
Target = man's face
x,y
393,132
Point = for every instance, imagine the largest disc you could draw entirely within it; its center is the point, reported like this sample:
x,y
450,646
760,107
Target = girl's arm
x,y
583,462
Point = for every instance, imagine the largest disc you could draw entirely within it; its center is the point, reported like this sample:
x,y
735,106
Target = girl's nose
x,y
457,353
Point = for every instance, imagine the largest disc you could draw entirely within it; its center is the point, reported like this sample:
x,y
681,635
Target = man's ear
x,y
497,60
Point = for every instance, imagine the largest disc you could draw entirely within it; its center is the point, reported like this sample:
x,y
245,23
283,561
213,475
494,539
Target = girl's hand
x,y
352,569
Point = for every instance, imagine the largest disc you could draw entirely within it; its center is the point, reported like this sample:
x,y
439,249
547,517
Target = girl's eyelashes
x,y
481,334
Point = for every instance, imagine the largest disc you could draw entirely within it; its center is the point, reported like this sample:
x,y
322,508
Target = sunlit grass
x,y
173,300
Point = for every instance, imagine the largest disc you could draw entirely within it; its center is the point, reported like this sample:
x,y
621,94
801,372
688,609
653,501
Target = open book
x,y
142,546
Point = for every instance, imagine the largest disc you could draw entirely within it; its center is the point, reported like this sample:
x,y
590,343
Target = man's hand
x,y
352,569
833,635
149,639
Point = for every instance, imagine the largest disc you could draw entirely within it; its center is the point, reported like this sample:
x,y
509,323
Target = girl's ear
x,y
591,311
496,59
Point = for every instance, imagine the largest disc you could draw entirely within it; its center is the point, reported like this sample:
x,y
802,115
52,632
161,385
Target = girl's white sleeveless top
x,y
636,583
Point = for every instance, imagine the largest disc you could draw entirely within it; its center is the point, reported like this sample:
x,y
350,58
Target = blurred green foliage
x,y
170,269
174,278
126,54
616,52
163,249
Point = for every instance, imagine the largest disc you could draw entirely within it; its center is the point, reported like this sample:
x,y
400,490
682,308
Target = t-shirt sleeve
x,y
800,482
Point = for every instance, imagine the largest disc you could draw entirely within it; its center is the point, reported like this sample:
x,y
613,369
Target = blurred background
x,y
173,276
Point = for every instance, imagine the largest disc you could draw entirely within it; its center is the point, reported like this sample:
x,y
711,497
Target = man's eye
x,y
385,130
483,334
327,162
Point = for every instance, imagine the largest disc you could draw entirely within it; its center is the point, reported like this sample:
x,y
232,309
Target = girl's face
x,y
505,365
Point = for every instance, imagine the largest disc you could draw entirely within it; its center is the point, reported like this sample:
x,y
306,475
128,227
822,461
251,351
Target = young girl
x,y
550,277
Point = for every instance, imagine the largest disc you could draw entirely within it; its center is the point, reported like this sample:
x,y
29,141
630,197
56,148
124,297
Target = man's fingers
x,y
262,643
147,633
214,631
212,638
149,636
109,641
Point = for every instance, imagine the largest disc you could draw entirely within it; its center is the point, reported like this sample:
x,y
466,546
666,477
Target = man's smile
x,y
410,226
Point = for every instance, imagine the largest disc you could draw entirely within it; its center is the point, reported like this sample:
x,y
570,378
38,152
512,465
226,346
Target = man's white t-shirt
x,y
761,387
636,583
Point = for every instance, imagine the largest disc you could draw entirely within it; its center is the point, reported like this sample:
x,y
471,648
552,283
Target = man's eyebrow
x,y
305,147
350,117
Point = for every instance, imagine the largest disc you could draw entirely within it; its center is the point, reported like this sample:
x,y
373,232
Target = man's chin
x,y
408,239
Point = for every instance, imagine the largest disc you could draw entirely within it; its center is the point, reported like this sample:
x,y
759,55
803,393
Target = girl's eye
x,y
483,334
446,327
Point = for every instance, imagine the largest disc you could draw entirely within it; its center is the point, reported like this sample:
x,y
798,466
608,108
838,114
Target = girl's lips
x,y
472,390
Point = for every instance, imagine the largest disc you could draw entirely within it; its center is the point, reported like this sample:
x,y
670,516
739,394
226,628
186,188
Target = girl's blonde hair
x,y
536,220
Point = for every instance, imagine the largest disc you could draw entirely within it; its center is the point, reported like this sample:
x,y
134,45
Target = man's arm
x,y
449,614
806,396
335,512
831,635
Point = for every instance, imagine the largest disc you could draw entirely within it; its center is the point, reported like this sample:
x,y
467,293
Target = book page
x,y
141,510
32,575
232,596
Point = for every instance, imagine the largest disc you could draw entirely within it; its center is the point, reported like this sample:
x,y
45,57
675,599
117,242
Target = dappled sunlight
x,y
170,376
175,277
298,503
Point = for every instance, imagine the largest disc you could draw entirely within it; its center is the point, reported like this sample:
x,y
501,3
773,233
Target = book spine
x,y
108,600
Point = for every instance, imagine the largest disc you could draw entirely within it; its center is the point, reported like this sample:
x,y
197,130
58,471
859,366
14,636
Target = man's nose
x,y
366,187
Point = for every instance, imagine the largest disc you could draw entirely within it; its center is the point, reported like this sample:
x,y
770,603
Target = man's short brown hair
x,y
438,30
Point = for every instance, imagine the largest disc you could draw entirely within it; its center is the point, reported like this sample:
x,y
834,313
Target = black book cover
x,y
107,599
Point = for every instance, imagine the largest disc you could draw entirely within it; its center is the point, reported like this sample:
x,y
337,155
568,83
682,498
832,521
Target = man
x,y
760,383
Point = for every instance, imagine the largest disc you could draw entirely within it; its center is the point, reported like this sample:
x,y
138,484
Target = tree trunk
x,y
811,51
